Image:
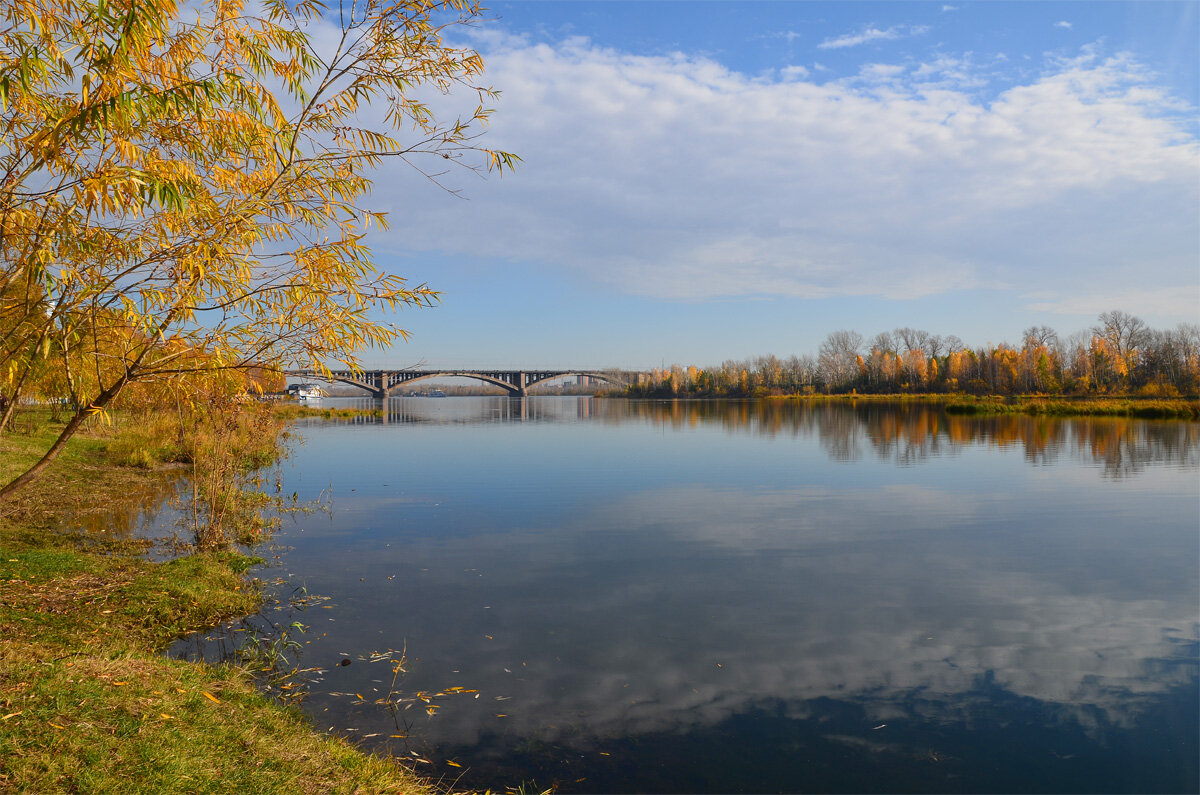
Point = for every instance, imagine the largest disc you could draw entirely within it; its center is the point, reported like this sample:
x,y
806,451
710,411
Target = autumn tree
x,y
1040,337
1123,335
838,357
185,186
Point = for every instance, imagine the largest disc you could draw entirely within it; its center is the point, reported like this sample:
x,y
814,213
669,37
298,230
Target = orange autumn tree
x,y
185,186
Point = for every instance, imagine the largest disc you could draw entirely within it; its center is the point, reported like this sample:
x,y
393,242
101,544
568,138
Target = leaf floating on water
x,y
453,763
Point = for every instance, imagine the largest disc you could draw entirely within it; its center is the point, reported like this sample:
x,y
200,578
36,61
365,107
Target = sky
x,y
703,181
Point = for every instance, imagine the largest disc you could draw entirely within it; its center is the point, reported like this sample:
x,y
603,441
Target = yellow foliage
x,y
183,188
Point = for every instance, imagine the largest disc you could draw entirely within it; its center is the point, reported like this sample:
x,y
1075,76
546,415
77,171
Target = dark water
x,y
741,597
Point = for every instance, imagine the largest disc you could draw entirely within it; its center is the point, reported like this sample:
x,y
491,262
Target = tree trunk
x,y
72,426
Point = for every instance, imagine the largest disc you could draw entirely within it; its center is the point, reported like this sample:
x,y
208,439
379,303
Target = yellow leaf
x,y
211,697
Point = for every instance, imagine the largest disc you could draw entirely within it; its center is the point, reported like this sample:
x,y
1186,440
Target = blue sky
x,y
706,181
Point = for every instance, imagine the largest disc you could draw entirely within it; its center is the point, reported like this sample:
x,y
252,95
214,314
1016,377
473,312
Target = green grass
x,y
88,703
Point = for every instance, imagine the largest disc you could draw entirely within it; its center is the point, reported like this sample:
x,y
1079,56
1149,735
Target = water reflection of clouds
x,y
693,590
687,622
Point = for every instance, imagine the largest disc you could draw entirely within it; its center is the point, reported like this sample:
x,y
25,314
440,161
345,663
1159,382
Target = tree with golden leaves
x,y
184,186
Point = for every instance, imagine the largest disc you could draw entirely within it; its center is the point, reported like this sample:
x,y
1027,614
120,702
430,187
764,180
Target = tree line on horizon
x,y
1120,355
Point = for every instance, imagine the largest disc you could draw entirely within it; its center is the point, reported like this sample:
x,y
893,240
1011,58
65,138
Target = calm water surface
x,y
742,597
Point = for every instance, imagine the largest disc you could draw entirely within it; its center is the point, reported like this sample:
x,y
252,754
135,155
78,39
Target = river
x,y
622,596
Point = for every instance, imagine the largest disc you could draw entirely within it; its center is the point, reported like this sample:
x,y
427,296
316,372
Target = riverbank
x,y
1117,406
88,702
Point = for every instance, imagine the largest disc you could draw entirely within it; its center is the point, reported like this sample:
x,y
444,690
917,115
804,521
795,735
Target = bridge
x,y
380,383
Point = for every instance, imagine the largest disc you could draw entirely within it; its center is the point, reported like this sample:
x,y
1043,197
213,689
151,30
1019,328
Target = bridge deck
x,y
517,382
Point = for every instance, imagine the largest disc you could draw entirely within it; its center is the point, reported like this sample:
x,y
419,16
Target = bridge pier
x,y
382,390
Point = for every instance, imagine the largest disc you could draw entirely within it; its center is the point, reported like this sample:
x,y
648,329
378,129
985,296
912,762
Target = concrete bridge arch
x,y
380,383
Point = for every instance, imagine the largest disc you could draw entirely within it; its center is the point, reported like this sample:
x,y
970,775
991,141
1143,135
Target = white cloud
x,y
872,34
1165,301
1063,24
675,177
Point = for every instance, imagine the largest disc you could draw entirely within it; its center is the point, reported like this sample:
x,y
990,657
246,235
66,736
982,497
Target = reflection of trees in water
x,y
904,433
138,507
910,434
1127,447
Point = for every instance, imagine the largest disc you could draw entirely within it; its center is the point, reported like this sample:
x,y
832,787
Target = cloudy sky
x,y
704,181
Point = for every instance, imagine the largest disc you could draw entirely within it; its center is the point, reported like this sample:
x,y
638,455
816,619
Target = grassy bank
x,y
1146,408
87,701
294,411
